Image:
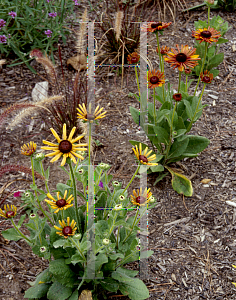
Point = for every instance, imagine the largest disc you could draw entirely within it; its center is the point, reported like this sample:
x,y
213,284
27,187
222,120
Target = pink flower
x,y
76,2
17,194
2,23
12,13
3,39
48,33
53,14
100,184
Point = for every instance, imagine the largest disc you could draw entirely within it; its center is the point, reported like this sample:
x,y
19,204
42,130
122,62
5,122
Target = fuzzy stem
x,y
154,104
201,67
159,52
186,84
77,247
136,73
179,80
131,180
136,215
46,181
21,234
171,127
209,15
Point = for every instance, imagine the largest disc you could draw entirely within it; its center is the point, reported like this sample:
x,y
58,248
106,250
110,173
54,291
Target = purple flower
x,y
3,39
53,14
48,33
17,194
100,184
48,1
12,13
76,2
2,23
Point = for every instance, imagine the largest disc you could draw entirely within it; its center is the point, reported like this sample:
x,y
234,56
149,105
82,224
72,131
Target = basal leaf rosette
x,y
66,146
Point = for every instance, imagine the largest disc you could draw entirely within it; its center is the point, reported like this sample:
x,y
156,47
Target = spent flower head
x,y
121,198
177,97
43,249
164,50
32,216
116,184
9,212
65,147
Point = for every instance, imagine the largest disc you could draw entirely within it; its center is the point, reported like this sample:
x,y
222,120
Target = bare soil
x,y
193,238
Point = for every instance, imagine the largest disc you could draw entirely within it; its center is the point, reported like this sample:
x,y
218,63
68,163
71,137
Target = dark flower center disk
x,y
61,203
10,214
65,146
90,117
134,60
181,57
206,79
154,79
67,230
155,25
143,158
206,34
140,199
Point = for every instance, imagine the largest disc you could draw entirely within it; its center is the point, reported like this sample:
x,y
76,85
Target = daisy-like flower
x,y
65,146
60,203
183,59
29,149
155,26
177,97
142,156
139,198
208,35
155,79
66,229
133,58
88,116
206,77
164,50
9,212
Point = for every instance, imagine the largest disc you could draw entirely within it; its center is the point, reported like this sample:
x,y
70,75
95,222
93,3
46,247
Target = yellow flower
x,y
9,212
65,146
139,198
155,79
142,156
28,149
61,203
84,115
183,59
66,229
208,35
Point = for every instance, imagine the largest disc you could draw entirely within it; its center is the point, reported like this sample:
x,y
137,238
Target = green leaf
x,y
178,147
215,72
188,109
101,259
162,135
109,284
158,168
196,144
21,221
221,41
58,292
135,289
135,114
62,272
11,235
74,296
160,177
47,173
180,183
37,291
211,51
116,255
215,61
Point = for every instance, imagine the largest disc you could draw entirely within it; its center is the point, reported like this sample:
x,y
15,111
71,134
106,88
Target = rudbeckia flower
x,y
9,212
133,58
84,115
208,35
66,229
164,50
28,149
141,199
143,156
65,146
155,26
60,203
155,79
183,59
206,77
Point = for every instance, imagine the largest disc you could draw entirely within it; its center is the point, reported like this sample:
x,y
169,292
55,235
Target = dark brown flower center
x,y
67,230
143,158
90,117
154,79
206,34
206,79
61,203
10,214
65,146
155,25
181,57
134,60
177,97
140,199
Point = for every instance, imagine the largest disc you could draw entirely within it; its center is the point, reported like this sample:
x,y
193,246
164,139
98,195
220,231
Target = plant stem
x,y
179,80
75,195
171,127
77,247
186,84
209,15
136,73
154,104
190,124
46,182
21,234
136,215
201,67
159,52
131,180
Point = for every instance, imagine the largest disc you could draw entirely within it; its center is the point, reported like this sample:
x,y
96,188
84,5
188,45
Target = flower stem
x,y
75,195
131,180
186,84
171,128
77,247
154,105
190,124
209,15
136,73
132,227
159,52
46,182
179,80
201,67
20,233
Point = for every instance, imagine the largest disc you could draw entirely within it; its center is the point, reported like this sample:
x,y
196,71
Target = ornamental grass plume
x,y
81,34
118,23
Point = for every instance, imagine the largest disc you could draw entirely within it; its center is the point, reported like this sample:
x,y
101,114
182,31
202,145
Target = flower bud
x,y
39,156
122,198
105,241
116,184
27,195
118,207
210,1
77,236
43,249
104,166
32,216
80,171
152,199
